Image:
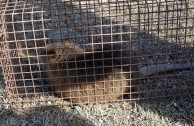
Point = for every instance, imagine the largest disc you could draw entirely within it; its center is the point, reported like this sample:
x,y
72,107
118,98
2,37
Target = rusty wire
x,y
110,40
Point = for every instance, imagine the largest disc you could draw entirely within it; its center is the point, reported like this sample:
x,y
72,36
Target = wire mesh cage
x,y
56,52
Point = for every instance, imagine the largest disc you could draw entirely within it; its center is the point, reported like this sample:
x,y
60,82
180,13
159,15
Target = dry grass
x,y
176,113
169,112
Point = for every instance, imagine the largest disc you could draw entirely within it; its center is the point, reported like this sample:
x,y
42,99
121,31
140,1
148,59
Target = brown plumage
x,y
100,75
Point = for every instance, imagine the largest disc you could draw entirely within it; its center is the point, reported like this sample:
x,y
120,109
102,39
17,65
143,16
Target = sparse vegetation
x,y
166,112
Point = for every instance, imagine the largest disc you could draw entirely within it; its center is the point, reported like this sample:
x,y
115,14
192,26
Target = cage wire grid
x,y
70,52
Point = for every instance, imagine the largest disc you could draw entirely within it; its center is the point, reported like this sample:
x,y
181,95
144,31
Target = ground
x,y
176,111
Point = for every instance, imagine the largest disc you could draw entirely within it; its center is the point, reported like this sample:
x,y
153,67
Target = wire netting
x,y
56,52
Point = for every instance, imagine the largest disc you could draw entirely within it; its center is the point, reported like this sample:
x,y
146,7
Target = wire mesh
x,y
56,52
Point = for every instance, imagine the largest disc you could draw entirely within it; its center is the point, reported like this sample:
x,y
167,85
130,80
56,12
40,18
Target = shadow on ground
x,y
47,116
169,112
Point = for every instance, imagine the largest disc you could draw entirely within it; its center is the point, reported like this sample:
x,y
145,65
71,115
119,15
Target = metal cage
x,y
56,52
